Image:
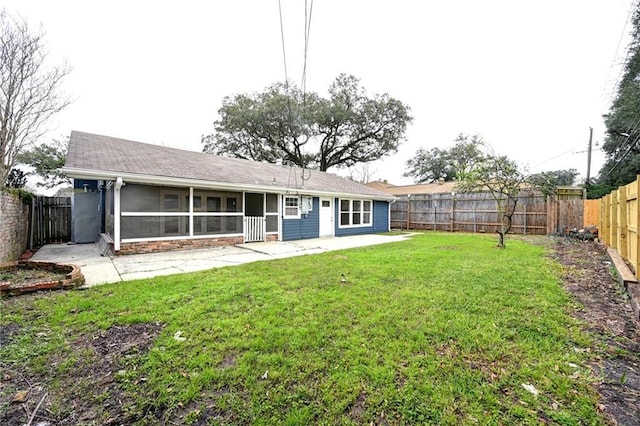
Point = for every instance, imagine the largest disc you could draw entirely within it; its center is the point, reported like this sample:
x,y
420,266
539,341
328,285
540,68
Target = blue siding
x,y
306,227
380,221
380,216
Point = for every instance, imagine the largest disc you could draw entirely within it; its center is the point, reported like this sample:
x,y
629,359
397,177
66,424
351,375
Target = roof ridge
x,y
110,156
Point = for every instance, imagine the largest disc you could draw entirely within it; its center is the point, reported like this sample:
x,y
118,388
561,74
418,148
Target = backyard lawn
x,y
438,329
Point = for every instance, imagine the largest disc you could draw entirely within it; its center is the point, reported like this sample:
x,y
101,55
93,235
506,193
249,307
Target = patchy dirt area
x,y
89,394
22,276
606,309
92,393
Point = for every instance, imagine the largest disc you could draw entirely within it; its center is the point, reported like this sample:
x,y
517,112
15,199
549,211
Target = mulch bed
x,y
25,276
606,310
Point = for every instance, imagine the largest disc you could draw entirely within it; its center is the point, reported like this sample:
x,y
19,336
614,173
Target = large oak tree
x,y
304,129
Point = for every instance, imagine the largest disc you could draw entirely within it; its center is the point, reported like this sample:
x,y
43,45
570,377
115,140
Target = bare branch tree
x,y
500,177
361,172
29,89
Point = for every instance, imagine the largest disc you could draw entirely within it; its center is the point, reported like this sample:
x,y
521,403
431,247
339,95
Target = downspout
x,y
103,191
116,213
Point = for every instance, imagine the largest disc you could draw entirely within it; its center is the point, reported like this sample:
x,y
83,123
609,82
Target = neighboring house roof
x,y
102,157
424,188
569,192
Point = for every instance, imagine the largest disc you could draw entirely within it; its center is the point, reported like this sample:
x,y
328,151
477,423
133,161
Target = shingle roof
x,y
95,154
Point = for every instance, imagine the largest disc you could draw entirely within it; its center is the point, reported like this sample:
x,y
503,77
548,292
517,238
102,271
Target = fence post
x,y
435,218
524,230
600,217
622,223
31,222
552,225
453,211
636,221
40,222
408,212
475,219
613,232
606,231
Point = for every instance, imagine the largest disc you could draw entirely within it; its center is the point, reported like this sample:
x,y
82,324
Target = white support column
x,y
191,211
116,213
264,217
244,217
280,214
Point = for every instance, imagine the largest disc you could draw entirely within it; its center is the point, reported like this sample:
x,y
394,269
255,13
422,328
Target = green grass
x,y
439,329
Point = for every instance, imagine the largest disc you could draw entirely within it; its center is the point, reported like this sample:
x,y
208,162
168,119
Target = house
x,y
420,188
141,197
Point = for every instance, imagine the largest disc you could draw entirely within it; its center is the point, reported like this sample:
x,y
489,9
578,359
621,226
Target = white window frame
x,y
351,213
285,207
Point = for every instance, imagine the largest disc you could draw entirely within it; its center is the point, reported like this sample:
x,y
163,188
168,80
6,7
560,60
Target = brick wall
x,y
14,225
155,246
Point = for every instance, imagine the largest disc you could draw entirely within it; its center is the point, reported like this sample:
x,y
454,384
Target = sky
x,y
530,77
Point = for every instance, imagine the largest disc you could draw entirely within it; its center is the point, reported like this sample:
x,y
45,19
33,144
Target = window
x,y
232,204
213,204
291,207
171,202
355,213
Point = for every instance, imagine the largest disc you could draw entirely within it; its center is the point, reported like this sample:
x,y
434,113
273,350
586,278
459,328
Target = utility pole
x,y
589,156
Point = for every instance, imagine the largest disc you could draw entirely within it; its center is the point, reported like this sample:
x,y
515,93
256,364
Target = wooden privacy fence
x,y
535,213
591,212
50,221
619,222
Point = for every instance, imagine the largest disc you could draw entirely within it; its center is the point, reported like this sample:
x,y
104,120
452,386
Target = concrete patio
x,y
99,269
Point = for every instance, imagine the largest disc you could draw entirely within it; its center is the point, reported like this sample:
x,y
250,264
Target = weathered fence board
x,y
50,221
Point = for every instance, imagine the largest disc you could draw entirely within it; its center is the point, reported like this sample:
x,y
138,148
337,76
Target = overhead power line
x,y
553,158
621,159
632,7
307,30
284,53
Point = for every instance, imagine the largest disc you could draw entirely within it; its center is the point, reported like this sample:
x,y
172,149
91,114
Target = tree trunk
x,y
500,239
